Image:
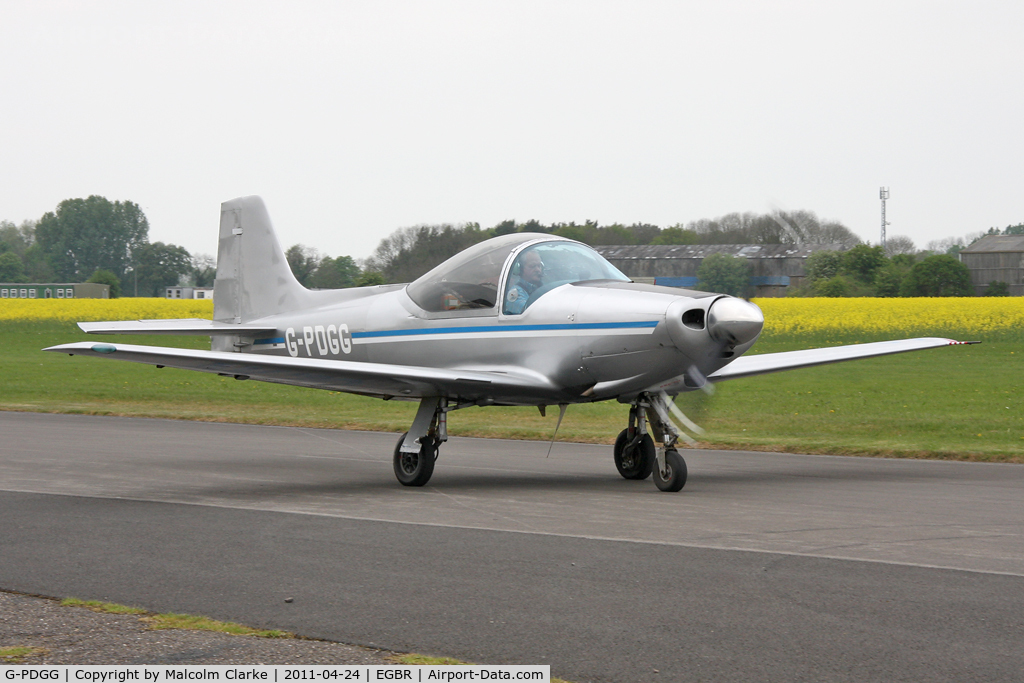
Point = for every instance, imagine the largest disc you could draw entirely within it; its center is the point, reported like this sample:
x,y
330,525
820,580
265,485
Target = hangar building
x,y
996,258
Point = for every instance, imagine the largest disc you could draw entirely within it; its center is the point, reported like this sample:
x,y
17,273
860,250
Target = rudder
x,y
253,276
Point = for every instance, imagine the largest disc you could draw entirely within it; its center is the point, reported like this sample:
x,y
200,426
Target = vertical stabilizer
x,y
253,277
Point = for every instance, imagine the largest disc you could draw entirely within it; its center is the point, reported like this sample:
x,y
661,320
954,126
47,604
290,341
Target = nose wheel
x,y
671,477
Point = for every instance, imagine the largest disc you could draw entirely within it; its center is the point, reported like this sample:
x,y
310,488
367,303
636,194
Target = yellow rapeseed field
x,y
798,317
83,310
902,317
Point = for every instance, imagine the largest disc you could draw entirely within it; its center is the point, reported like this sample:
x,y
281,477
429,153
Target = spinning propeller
x,y
731,322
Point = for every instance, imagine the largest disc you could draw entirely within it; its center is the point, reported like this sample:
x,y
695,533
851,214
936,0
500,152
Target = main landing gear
x,y
636,456
634,448
414,469
416,450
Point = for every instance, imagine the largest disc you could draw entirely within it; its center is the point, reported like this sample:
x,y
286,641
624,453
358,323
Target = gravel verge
x,y
74,635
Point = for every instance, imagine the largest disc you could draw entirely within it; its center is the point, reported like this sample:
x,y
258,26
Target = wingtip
x,y
68,348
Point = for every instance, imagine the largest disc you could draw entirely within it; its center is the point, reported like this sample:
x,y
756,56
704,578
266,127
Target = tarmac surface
x,y
765,567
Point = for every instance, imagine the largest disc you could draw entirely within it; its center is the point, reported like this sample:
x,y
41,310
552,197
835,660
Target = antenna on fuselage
x,y
561,414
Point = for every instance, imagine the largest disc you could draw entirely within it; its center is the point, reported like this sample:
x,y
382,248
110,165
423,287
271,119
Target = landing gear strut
x,y
635,453
416,450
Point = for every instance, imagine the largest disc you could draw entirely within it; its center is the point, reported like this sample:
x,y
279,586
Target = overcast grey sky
x,y
352,119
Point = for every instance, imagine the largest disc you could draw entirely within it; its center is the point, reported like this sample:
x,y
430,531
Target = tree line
x,y
898,269
410,252
319,271
851,268
96,240
863,270
867,271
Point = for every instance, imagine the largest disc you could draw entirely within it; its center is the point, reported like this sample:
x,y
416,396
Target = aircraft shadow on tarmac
x,y
477,482
454,480
797,475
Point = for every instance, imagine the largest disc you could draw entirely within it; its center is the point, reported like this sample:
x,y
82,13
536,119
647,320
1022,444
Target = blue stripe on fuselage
x,y
651,324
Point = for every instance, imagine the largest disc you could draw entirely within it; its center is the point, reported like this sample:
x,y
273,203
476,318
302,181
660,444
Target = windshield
x,y
541,268
468,280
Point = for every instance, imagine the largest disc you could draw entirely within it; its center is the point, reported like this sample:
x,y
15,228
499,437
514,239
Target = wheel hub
x,y
409,462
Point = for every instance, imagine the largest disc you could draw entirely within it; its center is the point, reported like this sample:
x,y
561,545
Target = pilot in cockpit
x,y
531,277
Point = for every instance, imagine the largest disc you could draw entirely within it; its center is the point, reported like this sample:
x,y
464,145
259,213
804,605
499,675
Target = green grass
x,y
427,660
18,654
190,622
961,402
157,622
104,607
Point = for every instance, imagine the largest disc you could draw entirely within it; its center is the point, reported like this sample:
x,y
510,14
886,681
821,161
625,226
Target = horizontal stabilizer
x,y
748,366
373,379
180,326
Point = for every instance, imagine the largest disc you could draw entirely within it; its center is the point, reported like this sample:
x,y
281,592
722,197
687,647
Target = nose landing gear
x,y
670,474
635,453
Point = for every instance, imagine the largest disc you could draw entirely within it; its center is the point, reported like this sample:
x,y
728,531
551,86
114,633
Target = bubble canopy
x,y
470,280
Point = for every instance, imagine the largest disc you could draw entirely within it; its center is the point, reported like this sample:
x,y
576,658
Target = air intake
x,y
694,318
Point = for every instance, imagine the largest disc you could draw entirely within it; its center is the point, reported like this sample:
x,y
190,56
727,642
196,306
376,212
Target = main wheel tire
x,y
636,462
414,469
674,476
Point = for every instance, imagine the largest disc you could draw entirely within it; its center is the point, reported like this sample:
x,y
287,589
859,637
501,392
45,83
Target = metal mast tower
x,y
883,194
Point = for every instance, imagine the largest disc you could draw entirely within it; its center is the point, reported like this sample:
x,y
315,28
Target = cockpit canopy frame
x,y
468,284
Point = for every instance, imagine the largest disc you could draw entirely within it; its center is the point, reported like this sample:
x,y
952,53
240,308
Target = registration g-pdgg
x,y
32,674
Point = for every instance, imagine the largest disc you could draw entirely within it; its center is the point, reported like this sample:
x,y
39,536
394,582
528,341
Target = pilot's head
x,y
533,268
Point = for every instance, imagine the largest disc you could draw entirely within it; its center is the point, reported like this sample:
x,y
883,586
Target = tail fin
x,y
253,277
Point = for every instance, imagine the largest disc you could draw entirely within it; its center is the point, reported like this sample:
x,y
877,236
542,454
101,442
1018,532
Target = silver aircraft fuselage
x,y
582,342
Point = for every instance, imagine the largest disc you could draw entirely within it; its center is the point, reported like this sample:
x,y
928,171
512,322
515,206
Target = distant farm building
x,y
996,258
774,267
61,290
188,293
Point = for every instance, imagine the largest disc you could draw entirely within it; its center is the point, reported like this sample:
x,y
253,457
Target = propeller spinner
x,y
734,322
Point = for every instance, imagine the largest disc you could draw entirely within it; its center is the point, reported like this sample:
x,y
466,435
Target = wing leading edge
x,y
373,379
748,366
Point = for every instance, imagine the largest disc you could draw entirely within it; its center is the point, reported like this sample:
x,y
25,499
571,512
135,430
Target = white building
x,y
188,292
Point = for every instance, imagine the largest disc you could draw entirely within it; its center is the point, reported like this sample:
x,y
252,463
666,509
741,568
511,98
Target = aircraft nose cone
x,y
734,321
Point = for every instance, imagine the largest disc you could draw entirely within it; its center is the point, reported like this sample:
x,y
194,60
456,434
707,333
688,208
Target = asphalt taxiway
x,y
765,567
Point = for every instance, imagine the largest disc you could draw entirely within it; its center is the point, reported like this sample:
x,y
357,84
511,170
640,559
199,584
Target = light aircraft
x,y
522,319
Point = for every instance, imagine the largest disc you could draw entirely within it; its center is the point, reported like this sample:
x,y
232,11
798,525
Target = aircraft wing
x,y
373,379
760,364
180,326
